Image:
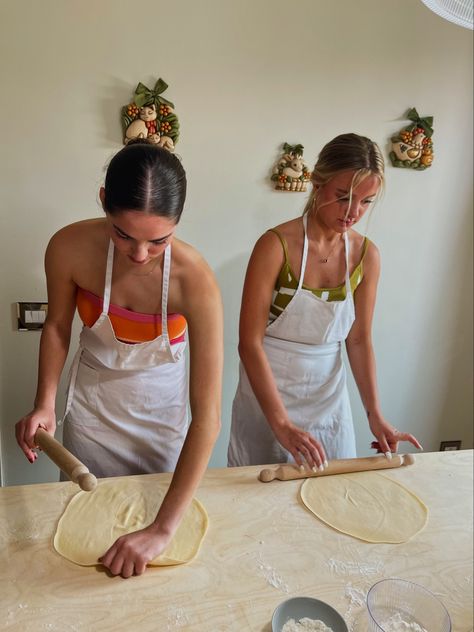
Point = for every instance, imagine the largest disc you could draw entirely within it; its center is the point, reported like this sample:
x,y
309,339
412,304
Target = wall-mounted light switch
x,y
31,316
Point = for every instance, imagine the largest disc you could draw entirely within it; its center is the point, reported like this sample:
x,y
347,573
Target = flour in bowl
x,y
305,625
397,624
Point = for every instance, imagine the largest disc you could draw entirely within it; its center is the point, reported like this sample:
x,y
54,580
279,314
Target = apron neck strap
x,y
164,291
108,278
305,257
305,251
347,278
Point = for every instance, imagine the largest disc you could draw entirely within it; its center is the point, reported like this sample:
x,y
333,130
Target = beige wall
x,y
245,76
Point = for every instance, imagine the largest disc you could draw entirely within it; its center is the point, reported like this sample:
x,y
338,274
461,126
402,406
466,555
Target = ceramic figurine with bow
x,y
412,147
291,173
151,116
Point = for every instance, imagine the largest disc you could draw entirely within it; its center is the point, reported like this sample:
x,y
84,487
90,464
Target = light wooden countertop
x,y
263,546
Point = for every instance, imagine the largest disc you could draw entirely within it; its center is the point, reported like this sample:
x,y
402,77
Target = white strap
x,y
305,257
164,290
305,252
108,278
347,248
164,293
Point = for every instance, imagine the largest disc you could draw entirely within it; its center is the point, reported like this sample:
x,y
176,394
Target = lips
x,y
138,263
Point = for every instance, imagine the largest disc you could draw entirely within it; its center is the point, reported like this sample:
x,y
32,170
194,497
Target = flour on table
x,y
397,624
305,625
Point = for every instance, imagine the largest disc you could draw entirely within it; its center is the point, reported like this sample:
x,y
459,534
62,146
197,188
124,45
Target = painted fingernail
x,y
388,455
421,447
302,468
314,468
321,468
325,463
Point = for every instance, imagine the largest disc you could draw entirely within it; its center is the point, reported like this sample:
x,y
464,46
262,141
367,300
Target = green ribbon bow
x,y
426,123
145,96
296,150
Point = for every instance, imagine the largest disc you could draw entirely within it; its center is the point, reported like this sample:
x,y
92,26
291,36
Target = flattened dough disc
x,y
366,505
92,522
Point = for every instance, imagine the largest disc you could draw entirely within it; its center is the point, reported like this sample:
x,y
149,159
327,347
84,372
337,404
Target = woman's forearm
x,y
53,351
362,360
263,384
191,466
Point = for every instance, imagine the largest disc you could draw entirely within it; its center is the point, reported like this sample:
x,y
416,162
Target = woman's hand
x,y
26,428
130,554
388,437
302,446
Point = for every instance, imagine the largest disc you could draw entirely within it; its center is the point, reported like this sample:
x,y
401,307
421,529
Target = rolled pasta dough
x,y
92,521
366,505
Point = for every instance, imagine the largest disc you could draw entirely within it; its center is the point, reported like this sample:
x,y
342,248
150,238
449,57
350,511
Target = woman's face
x,y
139,236
332,200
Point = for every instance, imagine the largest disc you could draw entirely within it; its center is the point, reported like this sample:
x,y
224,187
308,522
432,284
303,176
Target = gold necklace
x,y
149,272
326,258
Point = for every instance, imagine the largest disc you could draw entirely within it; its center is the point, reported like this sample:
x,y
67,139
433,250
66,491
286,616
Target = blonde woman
x,y
311,286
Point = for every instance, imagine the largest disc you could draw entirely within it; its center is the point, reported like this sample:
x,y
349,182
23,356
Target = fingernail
x,y
321,468
388,455
314,468
325,463
302,468
421,447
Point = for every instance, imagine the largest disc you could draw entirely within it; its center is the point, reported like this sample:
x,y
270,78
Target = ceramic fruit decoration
x,y
412,147
291,173
150,115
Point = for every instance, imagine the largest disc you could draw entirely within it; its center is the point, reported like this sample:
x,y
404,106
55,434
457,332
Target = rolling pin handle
x,y
67,462
408,459
81,475
267,475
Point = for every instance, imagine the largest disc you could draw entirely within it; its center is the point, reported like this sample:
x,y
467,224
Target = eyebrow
x,y
117,228
344,192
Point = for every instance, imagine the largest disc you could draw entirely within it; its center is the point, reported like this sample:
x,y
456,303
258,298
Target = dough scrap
x,y
366,505
92,521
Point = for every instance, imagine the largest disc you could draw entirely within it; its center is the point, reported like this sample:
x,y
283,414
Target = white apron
x,y
304,349
126,409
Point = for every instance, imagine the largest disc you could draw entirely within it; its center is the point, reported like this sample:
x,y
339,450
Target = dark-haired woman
x,y
140,293
310,287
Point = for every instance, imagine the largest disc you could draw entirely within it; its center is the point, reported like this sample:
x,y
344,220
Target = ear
x,y
102,197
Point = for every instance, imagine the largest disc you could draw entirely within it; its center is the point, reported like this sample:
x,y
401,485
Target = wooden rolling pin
x,y
67,462
290,472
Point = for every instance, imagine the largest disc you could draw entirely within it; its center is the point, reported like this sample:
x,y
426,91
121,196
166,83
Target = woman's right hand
x,y
26,428
302,446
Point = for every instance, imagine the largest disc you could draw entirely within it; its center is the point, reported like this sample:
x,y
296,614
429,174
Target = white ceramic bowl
x,y
397,598
299,607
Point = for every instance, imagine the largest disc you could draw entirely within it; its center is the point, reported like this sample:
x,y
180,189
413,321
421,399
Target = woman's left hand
x,y
388,437
130,554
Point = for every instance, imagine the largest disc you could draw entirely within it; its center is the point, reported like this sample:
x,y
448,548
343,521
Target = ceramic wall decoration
x,y
290,172
412,147
150,115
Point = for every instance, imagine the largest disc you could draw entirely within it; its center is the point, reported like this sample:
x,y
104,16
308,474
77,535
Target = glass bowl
x,y
392,601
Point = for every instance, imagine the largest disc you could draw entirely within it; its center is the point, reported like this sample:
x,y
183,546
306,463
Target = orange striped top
x,y
129,326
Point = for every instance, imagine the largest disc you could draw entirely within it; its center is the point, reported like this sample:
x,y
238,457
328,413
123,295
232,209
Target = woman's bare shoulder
x,y
290,229
358,245
85,230
189,266
75,247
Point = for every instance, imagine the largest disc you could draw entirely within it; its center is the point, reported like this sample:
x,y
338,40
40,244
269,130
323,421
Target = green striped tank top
x,y
287,283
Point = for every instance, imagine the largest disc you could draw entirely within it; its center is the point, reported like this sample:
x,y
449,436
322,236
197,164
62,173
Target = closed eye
x,y
120,234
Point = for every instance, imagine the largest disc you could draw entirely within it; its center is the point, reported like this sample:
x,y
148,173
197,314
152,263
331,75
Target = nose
x,y
140,252
354,209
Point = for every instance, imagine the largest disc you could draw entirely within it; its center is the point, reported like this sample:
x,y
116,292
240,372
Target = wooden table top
x,y
263,546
